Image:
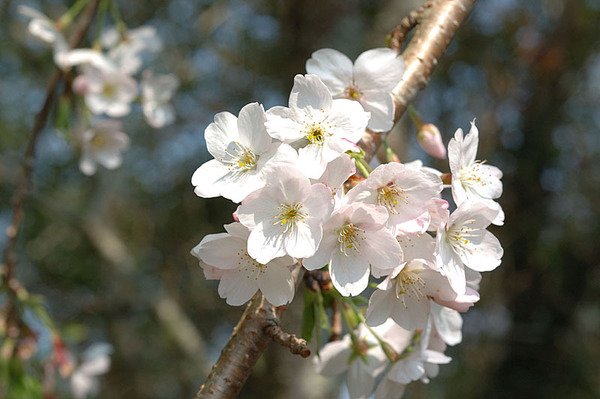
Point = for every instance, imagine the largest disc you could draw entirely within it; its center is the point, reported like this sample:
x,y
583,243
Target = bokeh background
x,y
110,253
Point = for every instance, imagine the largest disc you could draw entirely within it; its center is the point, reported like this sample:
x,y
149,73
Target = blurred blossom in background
x,y
110,252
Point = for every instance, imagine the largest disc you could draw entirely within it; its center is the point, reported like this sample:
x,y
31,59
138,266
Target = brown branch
x,y
296,345
408,23
23,189
437,26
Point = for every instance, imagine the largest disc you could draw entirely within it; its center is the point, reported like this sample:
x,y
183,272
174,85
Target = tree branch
x,y
438,24
12,232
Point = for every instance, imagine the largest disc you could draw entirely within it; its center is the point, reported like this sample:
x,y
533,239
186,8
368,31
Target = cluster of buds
x,y
105,78
287,167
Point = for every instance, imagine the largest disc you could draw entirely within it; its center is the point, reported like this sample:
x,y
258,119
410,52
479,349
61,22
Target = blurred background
x,y
110,253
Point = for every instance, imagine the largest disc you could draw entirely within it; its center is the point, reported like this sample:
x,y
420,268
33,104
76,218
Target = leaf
x,y
308,317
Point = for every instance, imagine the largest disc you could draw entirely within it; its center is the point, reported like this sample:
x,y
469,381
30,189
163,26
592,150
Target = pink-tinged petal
x,y
486,256
333,68
388,389
277,285
383,250
334,357
411,312
257,207
469,145
251,128
435,357
360,383
452,268
313,160
417,246
348,120
286,184
379,68
381,106
380,307
406,370
455,152
448,324
265,243
282,125
303,241
238,187
349,274
310,93
220,133
236,288
319,202
490,186
328,245
206,178
338,171
368,217
478,215
278,153
238,230
223,251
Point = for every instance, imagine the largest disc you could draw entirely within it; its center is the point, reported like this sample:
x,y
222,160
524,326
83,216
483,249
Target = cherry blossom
x,y
243,152
356,243
157,91
127,48
320,127
102,143
465,242
240,275
46,30
95,362
369,81
286,216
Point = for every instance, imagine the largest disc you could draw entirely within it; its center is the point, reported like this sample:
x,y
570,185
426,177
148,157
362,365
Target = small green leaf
x,y
308,317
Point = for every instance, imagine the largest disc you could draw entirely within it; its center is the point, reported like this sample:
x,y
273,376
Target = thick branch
x,y
438,24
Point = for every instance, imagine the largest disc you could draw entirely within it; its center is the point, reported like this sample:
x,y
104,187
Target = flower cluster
x,y
105,80
293,171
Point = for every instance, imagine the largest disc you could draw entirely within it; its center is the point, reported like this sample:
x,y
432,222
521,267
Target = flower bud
x,y
430,140
80,85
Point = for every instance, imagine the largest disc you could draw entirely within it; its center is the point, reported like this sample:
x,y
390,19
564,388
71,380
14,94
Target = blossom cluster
x,y
105,80
293,169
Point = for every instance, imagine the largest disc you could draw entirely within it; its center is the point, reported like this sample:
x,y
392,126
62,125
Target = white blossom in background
x,y
107,91
239,274
127,49
244,155
356,244
95,362
321,128
286,216
369,81
465,242
403,191
102,143
46,30
157,91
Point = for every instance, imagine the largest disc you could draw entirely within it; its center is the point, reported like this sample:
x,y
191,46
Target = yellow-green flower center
x,y
289,216
348,237
316,134
98,141
390,196
353,93
409,283
247,160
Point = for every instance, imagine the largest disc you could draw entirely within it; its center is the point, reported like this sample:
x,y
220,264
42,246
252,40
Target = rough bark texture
x,y
436,28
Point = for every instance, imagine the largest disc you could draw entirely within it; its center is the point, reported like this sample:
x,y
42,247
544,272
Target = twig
x,y
23,189
336,322
437,26
296,345
399,33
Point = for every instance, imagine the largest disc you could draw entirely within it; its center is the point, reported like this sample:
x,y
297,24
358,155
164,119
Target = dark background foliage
x,y
110,253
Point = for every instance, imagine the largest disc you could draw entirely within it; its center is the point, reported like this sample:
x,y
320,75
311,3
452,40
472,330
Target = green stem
x,y
102,8
117,18
415,117
72,13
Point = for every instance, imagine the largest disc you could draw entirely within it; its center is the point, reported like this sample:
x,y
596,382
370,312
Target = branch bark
x,y
437,26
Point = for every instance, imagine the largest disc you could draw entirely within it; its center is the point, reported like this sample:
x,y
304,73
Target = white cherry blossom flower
x,y
243,152
106,90
403,191
321,128
127,49
102,144
157,91
95,362
406,296
336,174
448,323
286,216
472,180
465,242
369,81
239,274
356,244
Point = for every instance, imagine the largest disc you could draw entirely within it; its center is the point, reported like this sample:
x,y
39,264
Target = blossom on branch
x,y
102,143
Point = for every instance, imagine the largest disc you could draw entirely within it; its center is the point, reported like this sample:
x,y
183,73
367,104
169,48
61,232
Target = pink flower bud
x,y
80,85
430,139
